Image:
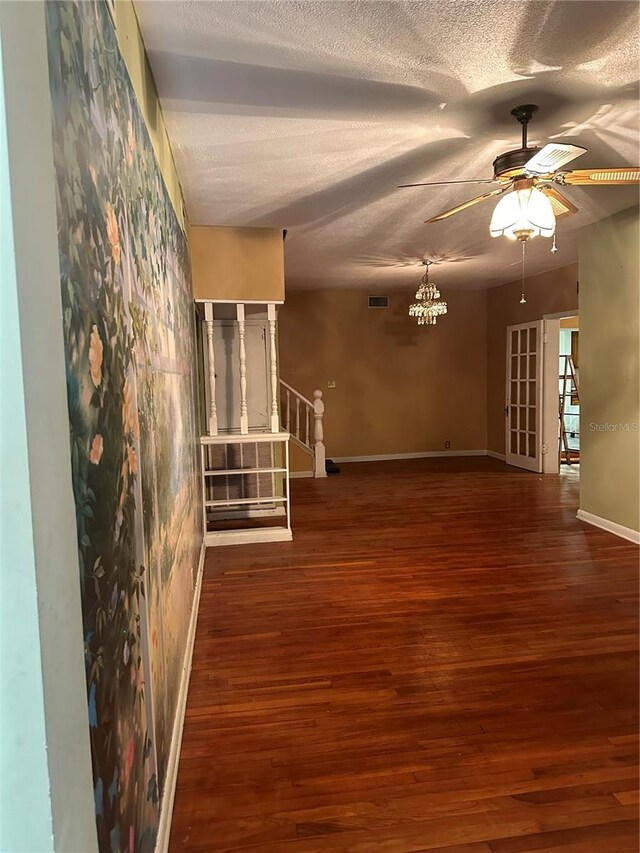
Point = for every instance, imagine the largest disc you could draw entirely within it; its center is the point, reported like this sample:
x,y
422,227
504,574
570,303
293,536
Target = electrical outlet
x,y
447,445
331,383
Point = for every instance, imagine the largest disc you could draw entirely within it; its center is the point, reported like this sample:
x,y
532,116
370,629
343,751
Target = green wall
x,y
609,375
23,761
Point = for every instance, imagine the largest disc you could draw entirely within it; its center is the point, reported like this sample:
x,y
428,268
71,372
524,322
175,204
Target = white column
x,y
287,492
212,419
319,469
273,367
244,417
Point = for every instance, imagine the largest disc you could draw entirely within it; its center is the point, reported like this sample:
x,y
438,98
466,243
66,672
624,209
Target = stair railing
x,y
298,416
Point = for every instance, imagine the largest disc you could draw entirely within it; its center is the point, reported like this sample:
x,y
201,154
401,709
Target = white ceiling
x,y
306,115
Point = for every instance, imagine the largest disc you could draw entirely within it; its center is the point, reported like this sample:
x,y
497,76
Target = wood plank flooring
x,y
444,659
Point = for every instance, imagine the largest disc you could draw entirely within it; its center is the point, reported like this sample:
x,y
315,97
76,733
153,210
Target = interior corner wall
x,y
547,293
609,376
400,387
46,792
237,264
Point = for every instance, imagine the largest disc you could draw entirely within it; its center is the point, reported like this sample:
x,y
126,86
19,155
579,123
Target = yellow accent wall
x,y
400,387
238,264
609,374
299,460
570,323
135,57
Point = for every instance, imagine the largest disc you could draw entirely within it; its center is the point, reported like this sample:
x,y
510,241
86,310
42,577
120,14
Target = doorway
x,y
569,397
561,394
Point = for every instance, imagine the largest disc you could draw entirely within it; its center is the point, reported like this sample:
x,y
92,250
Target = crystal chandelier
x,y
428,306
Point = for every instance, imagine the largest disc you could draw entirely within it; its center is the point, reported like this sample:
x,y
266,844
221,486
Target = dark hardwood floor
x,y
444,659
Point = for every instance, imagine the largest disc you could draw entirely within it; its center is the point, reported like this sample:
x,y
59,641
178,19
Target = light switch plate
x,y
331,383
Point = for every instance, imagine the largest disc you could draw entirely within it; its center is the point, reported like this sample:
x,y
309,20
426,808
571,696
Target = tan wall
x,y
401,388
609,376
298,459
547,293
237,263
570,323
135,57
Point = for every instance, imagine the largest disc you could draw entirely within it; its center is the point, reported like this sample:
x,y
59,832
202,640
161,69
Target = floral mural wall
x,y
129,337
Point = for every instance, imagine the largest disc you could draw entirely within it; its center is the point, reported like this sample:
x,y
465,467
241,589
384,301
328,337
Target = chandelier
x,y
428,306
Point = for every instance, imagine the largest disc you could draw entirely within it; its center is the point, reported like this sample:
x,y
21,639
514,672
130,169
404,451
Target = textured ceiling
x,y
306,116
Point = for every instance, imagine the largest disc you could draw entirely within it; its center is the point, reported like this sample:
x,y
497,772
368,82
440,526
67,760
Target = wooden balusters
x,y
244,417
307,410
212,419
273,367
298,418
288,412
319,457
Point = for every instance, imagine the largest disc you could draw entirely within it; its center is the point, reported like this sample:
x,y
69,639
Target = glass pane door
x,y
523,396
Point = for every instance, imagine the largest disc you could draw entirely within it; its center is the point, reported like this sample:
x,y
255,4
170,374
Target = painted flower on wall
x,y
131,144
97,449
113,233
96,350
131,459
130,421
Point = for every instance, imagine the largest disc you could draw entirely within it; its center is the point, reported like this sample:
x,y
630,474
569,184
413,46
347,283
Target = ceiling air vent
x,y
378,302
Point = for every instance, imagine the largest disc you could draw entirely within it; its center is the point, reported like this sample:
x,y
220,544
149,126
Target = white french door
x,y
523,408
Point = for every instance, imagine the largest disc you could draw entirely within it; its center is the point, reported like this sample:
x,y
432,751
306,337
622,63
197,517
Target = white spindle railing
x,y
212,420
302,437
244,416
273,367
302,418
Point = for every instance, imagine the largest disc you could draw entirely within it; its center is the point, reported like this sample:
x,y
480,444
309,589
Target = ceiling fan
x,y
533,207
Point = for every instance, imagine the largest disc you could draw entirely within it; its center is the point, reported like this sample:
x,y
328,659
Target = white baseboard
x,y
248,537
609,526
425,455
501,456
245,513
166,805
297,475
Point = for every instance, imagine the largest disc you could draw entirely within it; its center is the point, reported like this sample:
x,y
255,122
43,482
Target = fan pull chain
x,y
523,300
554,248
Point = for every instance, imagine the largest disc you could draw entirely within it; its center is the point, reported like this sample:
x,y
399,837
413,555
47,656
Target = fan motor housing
x,y
510,164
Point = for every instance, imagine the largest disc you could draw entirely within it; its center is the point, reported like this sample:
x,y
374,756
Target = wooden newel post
x,y
318,413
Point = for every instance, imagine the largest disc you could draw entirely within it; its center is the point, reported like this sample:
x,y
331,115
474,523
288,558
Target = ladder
x,y
568,391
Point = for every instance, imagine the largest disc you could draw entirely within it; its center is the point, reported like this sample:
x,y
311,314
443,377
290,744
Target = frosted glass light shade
x,y
523,210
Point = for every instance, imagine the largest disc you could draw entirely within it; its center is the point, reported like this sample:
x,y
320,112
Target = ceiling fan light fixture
x,y
522,214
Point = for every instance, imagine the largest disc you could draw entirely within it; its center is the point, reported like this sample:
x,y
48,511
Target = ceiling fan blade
x,y
552,157
589,177
465,204
560,204
443,183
